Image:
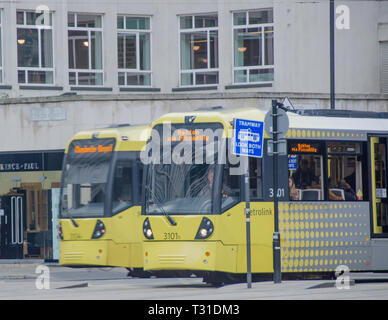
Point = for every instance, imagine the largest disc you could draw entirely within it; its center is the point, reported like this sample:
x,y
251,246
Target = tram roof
x,y
323,119
128,137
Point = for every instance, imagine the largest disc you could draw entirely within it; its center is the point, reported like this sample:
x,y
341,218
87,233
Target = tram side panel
x,y
320,236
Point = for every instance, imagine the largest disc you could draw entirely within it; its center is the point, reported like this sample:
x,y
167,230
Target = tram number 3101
x,y
171,236
280,193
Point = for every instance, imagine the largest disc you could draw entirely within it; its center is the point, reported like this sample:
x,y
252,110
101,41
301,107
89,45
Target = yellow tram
x,y
100,198
332,191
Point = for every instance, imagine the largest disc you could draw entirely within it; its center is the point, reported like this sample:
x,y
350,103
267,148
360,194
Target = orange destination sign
x,y
188,135
93,149
304,148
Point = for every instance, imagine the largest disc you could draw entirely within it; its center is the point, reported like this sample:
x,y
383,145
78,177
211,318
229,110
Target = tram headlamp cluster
x,y
99,230
147,231
205,229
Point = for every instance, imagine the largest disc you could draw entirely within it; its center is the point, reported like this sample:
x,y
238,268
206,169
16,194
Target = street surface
x,y
52,282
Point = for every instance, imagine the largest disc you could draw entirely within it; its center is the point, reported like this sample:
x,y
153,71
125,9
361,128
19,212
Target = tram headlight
x,y
205,229
99,230
147,231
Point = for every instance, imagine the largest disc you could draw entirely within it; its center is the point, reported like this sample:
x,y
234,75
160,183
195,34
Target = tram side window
x,y
344,171
230,188
255,179
122,186
305,171
380,153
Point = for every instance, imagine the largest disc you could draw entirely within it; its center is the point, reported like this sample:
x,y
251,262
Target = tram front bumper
x,y
189,255
73,253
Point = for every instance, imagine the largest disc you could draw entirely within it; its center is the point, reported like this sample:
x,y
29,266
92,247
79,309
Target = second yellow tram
x,y
100,198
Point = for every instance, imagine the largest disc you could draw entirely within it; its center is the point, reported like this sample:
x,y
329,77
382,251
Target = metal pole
x,y
248,220
332,61
276,235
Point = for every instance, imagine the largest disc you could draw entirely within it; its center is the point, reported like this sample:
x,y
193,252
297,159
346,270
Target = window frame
x,y
137,70
322,154
325,154
88,30
38,28
262,66
194,71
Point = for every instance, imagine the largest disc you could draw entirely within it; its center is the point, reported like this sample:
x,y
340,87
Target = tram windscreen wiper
x,y
72,219
74,222
160,206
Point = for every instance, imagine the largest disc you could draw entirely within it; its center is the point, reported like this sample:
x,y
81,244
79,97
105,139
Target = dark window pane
x,y
31,17
240,76
137,23
187,46
186,22
28,50
120,22
145,59
200,50
239,18
72,79
262,16
89,78
88,21
20,17
269,53
260,75
78,42
248,47
138,79
213,49
41,77
21,76
96,49
205,21
206,78
186,79
120,50
121,78
46,48
70,20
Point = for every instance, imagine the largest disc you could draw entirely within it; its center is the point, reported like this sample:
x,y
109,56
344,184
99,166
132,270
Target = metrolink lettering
x,y
93,149
165,310
261,212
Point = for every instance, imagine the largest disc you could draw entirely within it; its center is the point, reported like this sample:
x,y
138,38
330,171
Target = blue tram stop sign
x,y
248,138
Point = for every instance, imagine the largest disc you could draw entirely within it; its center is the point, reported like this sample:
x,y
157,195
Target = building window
x,y
253,38
85,49
134,50
34,47
198,50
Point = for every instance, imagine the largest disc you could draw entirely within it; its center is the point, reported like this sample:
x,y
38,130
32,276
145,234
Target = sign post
x,y
248,142
276,128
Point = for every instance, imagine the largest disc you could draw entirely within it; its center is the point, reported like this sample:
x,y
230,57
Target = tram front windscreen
x,y
183,181
85,178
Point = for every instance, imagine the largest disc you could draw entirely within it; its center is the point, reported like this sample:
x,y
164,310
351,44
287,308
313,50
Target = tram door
x,y
13,221
379,185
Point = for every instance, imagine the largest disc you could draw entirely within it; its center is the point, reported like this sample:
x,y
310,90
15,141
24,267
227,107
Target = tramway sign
x,y
248,138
